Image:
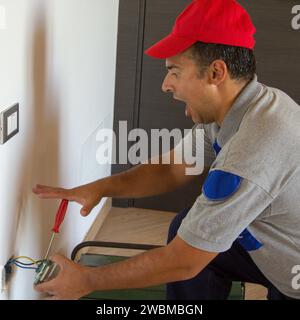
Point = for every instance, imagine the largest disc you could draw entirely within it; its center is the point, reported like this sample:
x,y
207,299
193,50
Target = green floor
x,y
150,293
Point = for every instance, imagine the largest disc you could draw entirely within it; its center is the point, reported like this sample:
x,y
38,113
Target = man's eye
x,y
174,75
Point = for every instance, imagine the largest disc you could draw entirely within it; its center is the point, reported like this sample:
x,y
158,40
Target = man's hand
x,y
71,283
87,195
176,261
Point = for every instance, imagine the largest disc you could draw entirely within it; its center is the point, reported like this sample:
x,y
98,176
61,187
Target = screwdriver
x,y
61,212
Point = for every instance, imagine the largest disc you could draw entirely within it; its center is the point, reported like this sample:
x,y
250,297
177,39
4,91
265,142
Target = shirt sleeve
x,y
226,207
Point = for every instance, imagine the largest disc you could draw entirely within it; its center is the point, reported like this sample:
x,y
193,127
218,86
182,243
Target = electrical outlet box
x,y
5,274
9,123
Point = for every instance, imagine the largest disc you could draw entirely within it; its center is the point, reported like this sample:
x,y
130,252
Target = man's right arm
x,y
146,180
141,181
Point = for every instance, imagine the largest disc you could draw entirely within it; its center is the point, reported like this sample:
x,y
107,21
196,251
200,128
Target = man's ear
x,y
217,72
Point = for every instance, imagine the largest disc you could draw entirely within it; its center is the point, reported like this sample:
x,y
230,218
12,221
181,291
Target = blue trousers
x,y
214,282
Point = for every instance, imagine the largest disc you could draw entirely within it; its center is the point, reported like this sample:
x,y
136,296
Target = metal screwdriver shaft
x,y
50,244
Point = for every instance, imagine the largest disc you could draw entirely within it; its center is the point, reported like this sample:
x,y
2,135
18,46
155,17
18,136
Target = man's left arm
x,y
175,262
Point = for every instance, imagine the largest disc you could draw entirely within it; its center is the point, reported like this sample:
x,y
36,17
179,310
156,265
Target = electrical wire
x,y
24,265
26,258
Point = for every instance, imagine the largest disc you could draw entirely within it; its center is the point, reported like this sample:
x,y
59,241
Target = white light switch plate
x,y
12,123
9,123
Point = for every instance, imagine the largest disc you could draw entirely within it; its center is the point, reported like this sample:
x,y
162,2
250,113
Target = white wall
x,y
57,59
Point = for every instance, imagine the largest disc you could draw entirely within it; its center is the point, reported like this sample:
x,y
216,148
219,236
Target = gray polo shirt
x,y
252,190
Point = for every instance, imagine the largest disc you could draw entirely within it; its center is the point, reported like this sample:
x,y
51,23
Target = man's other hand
x,y
87,195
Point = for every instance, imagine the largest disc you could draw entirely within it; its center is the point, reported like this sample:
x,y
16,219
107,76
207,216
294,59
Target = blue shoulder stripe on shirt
x,y
220,185
216,147
248,241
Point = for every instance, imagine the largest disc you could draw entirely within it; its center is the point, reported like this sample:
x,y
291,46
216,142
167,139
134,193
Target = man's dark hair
x,y
241,62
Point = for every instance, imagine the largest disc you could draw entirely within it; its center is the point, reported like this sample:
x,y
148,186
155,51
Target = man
x,y
244,225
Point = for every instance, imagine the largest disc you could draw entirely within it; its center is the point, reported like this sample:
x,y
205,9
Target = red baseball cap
x,y
210,21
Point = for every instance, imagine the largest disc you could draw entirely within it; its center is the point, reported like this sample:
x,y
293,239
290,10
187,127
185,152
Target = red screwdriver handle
x,y
61,212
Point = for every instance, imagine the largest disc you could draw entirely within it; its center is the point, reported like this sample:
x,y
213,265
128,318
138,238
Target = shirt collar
x,y
234,116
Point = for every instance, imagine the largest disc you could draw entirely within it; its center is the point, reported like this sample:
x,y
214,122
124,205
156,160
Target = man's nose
x,y
166,87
